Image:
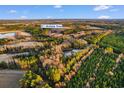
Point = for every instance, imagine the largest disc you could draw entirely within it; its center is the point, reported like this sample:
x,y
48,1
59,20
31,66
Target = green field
x,y
116,41
98,71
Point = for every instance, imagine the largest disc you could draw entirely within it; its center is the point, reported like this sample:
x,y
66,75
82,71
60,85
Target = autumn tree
x,y
108,50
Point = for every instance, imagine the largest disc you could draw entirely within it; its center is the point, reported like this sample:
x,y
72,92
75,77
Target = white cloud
x,y
12,11
103,17
113,10
57,6
101,7
23,17
49,17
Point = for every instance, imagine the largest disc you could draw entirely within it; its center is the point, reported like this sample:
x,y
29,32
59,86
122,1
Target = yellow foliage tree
x,y
108,50
55,74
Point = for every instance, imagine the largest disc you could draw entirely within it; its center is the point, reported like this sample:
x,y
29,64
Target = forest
x,y
83,54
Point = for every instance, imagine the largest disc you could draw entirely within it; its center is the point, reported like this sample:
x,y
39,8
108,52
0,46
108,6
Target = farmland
x,y
82,54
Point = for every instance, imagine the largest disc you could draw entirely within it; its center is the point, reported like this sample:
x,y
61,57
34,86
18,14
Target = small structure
x,y
51,26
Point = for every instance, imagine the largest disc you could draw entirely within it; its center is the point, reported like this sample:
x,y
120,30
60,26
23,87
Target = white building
x,y
51,26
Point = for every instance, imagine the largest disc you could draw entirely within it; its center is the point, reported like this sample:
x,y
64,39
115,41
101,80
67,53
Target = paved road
x,y
10,78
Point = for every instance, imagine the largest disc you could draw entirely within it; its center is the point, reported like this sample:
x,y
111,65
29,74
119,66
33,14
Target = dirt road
x,y
8,57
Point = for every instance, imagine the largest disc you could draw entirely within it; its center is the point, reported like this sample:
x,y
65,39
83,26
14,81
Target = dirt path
x,y
10,78
8,57
10,31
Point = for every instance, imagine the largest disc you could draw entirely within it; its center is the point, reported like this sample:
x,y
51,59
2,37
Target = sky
x,y
61,12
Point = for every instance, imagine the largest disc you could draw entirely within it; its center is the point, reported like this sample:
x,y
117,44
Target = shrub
x,y
3,65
